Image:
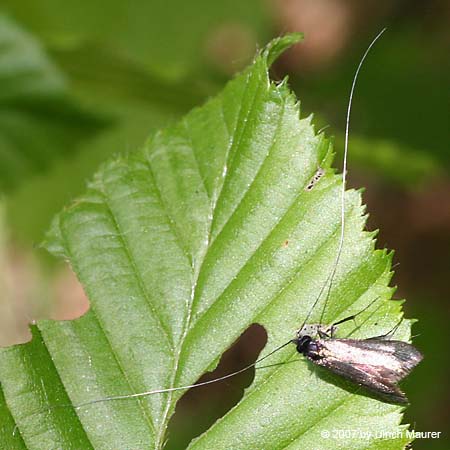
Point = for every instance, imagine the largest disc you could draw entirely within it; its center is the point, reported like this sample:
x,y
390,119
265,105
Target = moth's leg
x,y
352,317
346,319
390,333
325,335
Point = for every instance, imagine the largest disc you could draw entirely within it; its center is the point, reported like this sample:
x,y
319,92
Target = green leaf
x,y
181,247
11,438
38,120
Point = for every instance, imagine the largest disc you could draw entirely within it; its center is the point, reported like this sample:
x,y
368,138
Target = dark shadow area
x,y
199,408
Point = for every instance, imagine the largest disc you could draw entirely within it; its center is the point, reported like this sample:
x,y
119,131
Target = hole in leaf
x,y
199,408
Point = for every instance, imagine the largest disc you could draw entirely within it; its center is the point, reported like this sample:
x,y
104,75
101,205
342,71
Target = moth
x,y
376,363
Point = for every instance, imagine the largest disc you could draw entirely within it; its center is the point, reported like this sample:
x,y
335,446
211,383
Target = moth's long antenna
x,y
329,282
178,388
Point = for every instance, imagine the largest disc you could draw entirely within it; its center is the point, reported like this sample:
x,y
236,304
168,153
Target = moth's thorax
x,y
315,330
308,347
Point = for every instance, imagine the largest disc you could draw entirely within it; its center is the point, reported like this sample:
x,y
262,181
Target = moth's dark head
x,y
302,344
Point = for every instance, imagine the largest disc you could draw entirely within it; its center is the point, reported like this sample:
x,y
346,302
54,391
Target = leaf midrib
x,y
213,215
232,141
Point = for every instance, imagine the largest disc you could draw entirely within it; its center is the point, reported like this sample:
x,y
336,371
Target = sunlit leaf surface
x,y
181,247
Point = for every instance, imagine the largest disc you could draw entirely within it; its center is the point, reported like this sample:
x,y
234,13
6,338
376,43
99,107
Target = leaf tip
x,y
278,45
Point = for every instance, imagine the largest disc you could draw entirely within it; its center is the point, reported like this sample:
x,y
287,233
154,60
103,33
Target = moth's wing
x,y
364,376
377,365
398,355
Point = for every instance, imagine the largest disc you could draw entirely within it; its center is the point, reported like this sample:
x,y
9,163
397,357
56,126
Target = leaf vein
x,y
122,237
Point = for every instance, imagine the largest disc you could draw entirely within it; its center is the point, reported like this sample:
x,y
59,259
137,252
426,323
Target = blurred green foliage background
x,y
81,81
